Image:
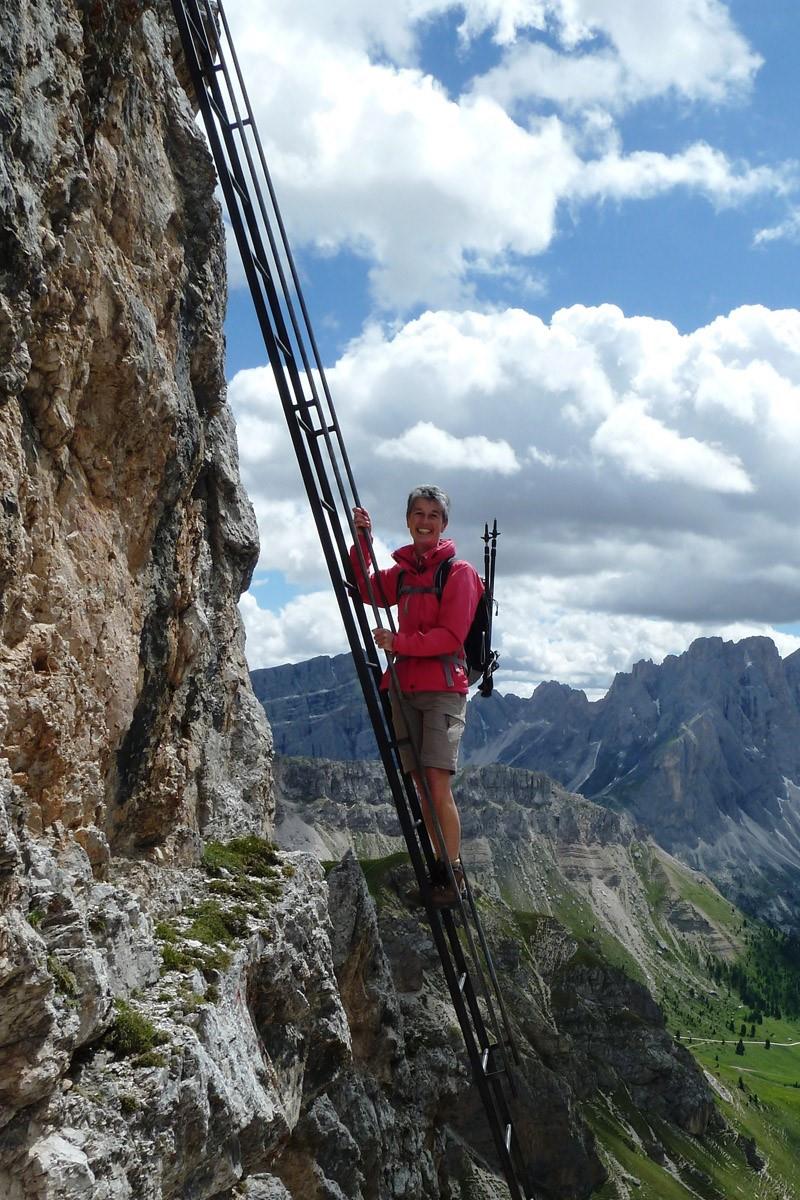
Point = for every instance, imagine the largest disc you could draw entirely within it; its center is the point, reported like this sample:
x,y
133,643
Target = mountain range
x,y
702,751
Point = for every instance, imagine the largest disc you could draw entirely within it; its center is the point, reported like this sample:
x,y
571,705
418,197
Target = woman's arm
x,y
384,583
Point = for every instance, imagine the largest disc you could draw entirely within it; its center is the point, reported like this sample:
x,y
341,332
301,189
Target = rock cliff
x,y
129,733
125,711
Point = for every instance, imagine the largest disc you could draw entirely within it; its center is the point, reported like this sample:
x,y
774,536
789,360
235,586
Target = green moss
x,y
255,893
241,856
215,927
65,981
175,959
150,1059
35,917
377,870
212,924
166,932
128,1104
132,1033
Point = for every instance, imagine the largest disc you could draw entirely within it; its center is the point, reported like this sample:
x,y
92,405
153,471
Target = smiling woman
x,y
427,674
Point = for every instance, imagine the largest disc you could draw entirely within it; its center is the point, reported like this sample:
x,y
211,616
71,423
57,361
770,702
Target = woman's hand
x,y
384,639
361,520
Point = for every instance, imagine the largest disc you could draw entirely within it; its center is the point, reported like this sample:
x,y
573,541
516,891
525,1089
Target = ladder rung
x,y
223,116
462,981
239,188
508,1136
259,266
485,1056
287,352
199,34
331,508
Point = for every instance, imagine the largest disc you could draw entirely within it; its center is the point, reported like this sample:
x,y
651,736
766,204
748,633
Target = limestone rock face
x,y
125,538
129,733
233,1067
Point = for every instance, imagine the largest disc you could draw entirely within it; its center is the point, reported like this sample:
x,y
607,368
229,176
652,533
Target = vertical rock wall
x,y
126,716
128,729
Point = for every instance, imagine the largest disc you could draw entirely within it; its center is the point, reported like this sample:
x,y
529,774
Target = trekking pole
x,y
489,560
485,540
493,559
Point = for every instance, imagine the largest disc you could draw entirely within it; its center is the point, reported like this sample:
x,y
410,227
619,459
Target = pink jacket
x,y
429,643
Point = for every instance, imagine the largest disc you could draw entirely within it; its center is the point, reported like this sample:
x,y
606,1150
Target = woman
x,y
428,652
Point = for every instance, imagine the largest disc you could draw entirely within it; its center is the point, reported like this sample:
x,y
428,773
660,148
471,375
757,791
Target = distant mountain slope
x,y
316,708
588,923
702,750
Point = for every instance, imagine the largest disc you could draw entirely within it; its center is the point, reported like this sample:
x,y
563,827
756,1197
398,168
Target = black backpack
x,y
482,661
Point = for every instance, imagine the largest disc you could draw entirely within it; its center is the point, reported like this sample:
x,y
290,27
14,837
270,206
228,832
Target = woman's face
x,y
426,524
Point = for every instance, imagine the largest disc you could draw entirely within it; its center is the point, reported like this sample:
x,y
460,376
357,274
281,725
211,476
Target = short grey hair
x,y
429,491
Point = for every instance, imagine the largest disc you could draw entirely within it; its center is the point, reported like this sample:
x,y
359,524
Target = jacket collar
x,y
406,556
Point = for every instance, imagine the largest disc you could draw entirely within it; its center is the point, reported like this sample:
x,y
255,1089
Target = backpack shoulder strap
x,y
441,576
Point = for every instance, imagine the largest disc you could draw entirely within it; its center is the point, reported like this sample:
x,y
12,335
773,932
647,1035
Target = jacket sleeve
x,y
460,598
384,583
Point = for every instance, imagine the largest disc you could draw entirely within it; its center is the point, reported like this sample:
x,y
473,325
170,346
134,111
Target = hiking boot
x,y
438,873
444,895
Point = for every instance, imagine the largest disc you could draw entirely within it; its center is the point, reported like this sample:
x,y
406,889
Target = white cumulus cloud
x,y
646,447
434,191
426,445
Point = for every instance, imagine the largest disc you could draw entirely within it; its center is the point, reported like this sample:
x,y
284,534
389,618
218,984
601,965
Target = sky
x,y
550,253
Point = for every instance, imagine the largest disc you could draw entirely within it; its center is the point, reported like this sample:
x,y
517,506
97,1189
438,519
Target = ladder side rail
x,y
502,1039
328,418
243,215
466,911
267,218
509,1040
497,1113
244,221
224,154
246,252
288,254
427,850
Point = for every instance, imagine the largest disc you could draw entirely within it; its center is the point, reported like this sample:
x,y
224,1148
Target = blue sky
x,y
579,217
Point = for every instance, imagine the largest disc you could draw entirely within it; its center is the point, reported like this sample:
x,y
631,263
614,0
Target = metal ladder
x,y
253,211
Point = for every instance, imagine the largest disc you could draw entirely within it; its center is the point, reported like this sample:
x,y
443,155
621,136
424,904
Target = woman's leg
x,y
438,782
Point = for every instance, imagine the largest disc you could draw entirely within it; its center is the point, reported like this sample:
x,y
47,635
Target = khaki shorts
x,y
437,722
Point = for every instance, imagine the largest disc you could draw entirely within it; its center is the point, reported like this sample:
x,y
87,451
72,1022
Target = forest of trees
x,y
767,976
